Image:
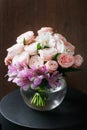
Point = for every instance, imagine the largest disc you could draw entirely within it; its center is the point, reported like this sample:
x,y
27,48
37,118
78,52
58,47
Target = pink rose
x,y
35,61
47,54
32,48
69,48
27,36
44,30
21,58
15,49
51,66
65,60
78,61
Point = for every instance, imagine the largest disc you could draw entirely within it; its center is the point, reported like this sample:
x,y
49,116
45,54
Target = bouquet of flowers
x,y
35,61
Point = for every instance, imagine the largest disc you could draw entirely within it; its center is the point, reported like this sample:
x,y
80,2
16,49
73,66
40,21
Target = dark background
x,y
68,17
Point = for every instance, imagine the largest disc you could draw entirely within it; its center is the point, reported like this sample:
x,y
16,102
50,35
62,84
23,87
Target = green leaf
x,y
55,56
46,46
70,69
24,41
38,46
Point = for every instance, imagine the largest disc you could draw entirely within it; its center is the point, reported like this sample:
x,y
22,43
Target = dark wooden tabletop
x,y
71,114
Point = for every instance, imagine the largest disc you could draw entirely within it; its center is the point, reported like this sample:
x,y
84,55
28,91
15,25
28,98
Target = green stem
x,y
38,100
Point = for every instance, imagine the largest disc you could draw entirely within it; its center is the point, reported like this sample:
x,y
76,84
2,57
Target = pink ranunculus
x,y
15,49
65,60
21,58
48,53
69,48
78,61
27,36
45,30
35,61
32,48
51,66
59,36
8,60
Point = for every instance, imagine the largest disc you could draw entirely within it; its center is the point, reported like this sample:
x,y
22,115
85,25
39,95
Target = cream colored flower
x,y
51,66
32,48
15,49
35,61
21,58
48,53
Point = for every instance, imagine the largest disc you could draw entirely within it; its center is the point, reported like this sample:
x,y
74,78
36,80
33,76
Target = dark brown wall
x,y
68,17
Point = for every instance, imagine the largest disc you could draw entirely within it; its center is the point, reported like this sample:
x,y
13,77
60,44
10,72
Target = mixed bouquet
x,y
35,61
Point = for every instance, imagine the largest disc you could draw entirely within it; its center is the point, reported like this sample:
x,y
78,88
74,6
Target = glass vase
x,y
45,100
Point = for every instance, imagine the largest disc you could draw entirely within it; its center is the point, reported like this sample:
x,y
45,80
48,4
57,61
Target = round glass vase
x,y
44,100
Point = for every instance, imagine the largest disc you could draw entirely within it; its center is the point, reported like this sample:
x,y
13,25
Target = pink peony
x,y
78,61
45,30
27,36
35,61
65,60
51,66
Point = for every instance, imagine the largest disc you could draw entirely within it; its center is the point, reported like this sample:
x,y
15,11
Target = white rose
x,y
60,46
46,39
48,53
32,48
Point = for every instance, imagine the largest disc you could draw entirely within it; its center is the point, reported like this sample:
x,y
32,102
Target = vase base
x,y
48,107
